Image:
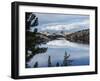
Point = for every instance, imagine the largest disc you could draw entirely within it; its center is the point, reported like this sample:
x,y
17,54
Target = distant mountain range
x,y
81,36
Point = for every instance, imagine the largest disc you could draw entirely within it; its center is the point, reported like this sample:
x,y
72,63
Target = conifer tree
x,y
57,64
49,61
36,65
66,60
33,40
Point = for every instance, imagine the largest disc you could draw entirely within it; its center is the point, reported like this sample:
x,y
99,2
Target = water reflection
x,y
54,56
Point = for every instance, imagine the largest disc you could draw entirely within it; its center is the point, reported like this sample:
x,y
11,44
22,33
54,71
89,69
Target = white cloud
x,y
74,25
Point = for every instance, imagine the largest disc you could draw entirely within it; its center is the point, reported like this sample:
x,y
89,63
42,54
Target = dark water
x,y
79,53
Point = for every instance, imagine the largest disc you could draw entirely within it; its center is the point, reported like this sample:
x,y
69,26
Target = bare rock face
x,y
79,36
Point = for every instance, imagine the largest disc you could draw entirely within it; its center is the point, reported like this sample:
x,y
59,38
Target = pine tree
x,y
36,65
29,17
35,23
33,40
57,64
66,61
49,61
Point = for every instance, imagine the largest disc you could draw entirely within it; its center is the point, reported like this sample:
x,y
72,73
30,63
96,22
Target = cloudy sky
x,y
65,22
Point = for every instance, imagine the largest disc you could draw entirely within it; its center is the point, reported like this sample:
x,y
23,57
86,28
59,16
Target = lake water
x,y
79,53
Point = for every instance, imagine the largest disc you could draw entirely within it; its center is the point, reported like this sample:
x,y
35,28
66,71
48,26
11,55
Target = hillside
x,y
79,36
